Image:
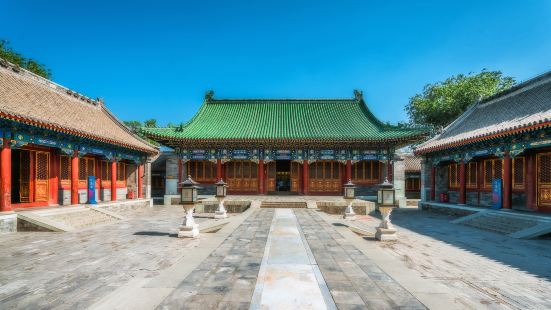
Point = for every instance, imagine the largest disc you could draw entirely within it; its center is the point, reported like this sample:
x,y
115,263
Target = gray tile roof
x,y
526,106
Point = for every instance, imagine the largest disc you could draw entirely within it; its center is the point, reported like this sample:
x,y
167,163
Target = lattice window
x,y
202,170
518,173
544,168
105,171
472,175
324,170
493,170
64,168
86,168
366,172
413,184
453,175
544,179
82,169
121,172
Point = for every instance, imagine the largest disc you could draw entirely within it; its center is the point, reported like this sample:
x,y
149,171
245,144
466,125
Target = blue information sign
x,y
496,194
92,190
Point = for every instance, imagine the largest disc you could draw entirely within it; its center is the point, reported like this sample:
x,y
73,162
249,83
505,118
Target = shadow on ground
x,y
155,234
533,256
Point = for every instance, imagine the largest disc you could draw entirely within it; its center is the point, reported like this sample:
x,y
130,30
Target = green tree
x,y
134,125
441,103
9,54
150,123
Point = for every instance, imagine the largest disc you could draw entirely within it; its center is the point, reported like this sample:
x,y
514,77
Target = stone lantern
x,y
349,195
189,228
221,189
386,199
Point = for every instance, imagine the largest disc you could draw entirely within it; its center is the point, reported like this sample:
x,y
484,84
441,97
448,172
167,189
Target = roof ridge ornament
x,y
358,95
209,95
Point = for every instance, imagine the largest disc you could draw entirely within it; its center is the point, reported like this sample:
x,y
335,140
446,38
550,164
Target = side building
x,y
500,147
283,146
53,139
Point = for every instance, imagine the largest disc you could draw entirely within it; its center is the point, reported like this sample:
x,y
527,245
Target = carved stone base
x,y
349,216
220,214
189,231
386,234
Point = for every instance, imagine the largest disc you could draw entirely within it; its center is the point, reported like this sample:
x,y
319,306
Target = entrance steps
x,y
283,204
64,218
521,226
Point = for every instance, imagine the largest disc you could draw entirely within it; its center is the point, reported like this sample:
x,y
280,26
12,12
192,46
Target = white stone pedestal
x,y
349,213
221,212
189,228
386,231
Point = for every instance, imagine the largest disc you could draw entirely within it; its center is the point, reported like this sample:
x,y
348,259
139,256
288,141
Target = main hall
x,y
281,146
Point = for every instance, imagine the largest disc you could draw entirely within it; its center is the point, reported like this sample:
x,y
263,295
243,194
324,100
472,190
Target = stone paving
x,y
227,278
355,282
72,270
75,270
485,268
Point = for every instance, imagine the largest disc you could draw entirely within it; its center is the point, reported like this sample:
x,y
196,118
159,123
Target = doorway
x,y
30,176
283,176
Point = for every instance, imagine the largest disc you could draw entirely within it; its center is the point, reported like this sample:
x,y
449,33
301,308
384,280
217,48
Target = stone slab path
x,y
288,263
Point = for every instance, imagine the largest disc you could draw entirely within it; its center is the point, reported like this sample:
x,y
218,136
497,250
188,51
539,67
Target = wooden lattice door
x,y
295,177
42,173
25,176
271,181
544,179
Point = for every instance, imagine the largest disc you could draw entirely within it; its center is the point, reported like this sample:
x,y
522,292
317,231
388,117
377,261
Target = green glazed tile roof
x,y
290,119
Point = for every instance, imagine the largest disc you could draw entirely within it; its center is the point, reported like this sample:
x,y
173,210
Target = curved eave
x,y
78,133
496,134
407,138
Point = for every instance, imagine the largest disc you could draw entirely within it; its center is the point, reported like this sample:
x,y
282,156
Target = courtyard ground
x,y
278,258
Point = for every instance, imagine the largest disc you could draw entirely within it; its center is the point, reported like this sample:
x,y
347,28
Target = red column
x,y
218,169
433,183
261,176
348,171
530,185
5,176
305,176
74,178
507,182
140,181
180,169
462,183
113,180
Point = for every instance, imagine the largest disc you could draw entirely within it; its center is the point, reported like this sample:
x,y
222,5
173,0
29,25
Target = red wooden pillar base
x,y
5,176
113,180
305,176
507,181
348,171
433,183
261,176
74,178
140,181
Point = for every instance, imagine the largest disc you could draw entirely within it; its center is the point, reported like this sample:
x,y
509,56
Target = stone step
x,y
499,223
284,204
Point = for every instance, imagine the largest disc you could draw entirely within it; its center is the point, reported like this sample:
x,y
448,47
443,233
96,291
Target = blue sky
x,y
156,59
